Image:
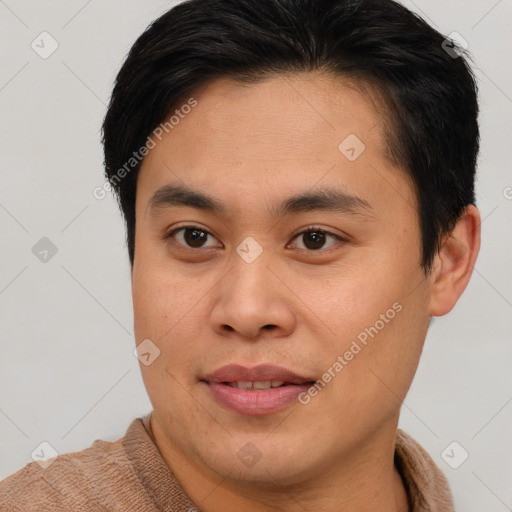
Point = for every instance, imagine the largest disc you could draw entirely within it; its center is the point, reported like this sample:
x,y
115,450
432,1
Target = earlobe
x,y
455,261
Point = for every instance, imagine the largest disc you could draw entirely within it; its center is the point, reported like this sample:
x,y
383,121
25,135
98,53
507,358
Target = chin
x,y
267,462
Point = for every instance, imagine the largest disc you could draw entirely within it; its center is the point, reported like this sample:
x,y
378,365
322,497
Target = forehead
x,y
280,135
285,116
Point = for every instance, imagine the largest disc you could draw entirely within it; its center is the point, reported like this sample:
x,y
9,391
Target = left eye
x,y
314,239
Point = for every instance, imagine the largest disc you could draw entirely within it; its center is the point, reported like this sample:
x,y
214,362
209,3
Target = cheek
x,y
161,300
379,317
164,313
169,311
355,299
390,342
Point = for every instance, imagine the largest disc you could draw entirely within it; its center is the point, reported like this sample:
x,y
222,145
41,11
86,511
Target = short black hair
x,y
428,88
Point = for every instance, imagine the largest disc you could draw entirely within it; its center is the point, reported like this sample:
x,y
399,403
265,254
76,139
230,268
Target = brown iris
x,y
195,237
314,239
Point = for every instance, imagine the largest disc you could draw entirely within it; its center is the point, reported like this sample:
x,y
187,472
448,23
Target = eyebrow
x,y
324,199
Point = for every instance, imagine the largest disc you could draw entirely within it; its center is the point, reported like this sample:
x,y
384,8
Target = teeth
x,y
262,385
267,384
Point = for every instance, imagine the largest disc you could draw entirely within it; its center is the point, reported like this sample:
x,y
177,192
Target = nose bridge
x,y
251,298
250,275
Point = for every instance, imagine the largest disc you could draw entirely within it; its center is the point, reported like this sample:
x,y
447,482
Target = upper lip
x,y
259,373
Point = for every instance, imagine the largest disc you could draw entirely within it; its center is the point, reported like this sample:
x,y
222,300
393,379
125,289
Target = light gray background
x,y
67,372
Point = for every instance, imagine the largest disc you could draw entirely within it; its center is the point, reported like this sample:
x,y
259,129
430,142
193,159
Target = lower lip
x,y
257,402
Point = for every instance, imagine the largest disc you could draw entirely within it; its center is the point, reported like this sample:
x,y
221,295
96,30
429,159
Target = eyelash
x,y
310,229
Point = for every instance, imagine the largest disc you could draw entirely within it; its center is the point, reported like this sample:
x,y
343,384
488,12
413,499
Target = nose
x,y
253,302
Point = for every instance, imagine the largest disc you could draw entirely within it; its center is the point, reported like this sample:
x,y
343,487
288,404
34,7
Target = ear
x,y
454,263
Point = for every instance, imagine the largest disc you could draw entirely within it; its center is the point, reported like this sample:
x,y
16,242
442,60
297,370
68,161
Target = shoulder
x,y
72,481
426,485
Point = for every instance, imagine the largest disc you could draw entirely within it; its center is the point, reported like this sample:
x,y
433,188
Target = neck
x,y
367,480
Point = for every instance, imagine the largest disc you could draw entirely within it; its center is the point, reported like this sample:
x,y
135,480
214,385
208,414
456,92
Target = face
x,y
300,266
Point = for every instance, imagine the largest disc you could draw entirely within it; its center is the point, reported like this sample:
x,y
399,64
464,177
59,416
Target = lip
x,y
262,372
257,402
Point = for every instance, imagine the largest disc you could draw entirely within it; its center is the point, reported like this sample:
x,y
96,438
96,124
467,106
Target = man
x,y
297,180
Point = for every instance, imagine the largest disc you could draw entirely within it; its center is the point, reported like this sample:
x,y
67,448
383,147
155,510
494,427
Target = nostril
x,y
269,327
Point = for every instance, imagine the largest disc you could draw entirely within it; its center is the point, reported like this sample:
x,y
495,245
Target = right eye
x,y
191,237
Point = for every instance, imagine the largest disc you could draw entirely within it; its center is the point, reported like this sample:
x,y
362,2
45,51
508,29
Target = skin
x,y
250,146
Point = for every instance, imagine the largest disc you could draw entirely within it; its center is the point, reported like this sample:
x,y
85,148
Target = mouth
x,y
258,385
263,389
